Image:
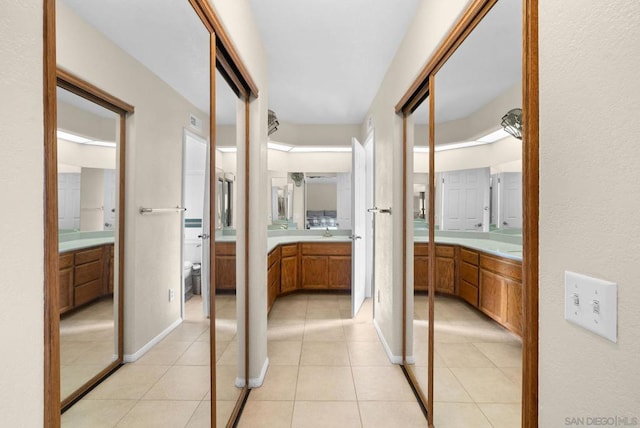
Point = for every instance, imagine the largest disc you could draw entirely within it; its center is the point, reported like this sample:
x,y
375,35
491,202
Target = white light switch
x,y
591,303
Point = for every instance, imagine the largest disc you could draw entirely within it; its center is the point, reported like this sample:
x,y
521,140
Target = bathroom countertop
x,y
78,244
274,241
498,248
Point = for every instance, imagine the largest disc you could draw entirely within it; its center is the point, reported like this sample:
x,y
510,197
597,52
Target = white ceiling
x,y
326,58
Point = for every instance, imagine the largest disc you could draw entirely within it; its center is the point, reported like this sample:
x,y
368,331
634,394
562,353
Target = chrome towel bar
x,y
376,210
161,210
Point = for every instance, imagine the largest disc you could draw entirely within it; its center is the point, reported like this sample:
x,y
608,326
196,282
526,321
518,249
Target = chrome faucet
x,y
327,234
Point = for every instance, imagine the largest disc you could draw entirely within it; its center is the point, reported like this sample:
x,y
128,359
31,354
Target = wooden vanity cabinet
x,y
445,267
325,266
273,276
500,292
468,275
225,266
65,280
289,268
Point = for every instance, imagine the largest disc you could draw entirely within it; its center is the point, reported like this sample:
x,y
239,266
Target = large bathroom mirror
x,y
163,59
478,244
327,197
89,240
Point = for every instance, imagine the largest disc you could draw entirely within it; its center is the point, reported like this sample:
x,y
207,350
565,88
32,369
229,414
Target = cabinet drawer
x,y
274,256
469,273
87,292
468,292
470,257
444,251
326,249
273,275
225,248
90,255
289,250
509,268
421,249
65,261
88,272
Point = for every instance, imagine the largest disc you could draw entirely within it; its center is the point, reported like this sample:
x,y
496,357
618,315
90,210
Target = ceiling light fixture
x,y
278,146
227,149
318,149
494,136
512,122
71,137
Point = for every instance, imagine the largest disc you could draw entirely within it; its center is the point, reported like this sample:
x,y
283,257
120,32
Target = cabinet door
x,y
289,278
445,275
420,273
491,294
340,272
315,272
513,313
66,289
225,273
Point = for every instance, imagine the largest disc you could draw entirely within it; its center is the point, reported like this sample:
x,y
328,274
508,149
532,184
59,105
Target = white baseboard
x,y
255,382
395,359
130,358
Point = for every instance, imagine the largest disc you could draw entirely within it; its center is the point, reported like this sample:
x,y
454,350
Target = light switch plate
x,y
592,304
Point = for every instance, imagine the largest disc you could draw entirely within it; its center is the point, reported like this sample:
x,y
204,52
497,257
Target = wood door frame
x,y
423,87
224,57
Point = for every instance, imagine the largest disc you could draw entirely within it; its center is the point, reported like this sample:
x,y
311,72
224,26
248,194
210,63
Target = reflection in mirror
x,y
87,227
229,380
478,267
327,200
418,344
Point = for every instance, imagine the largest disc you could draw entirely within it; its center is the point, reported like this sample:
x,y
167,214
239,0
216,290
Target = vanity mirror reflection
x,y
470,266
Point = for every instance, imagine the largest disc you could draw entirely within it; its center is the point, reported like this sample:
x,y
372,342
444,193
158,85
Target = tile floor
x,y
87,344
477,366
328,370
169,386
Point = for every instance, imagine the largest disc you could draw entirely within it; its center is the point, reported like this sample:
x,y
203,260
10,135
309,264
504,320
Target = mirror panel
x,y
88,178
478,166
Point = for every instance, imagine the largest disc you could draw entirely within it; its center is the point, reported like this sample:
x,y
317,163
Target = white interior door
x,y
465,200
358,219
510,200
369,217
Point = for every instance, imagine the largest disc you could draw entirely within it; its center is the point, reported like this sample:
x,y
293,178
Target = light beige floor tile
x,y
267,414
279,384
221,347
385,414
324,330
201,418
153,414
196,355
323,314
164,353
513,373
381,384
96,413
188,331
446,387
504,354
181,383
324,354
284,353
226,330
132,381
286,330
230,355
487,385
226,388
204,337
462,355
360,332
368,354
325,383
323,414
74,376
447,332
459,415
223,412
502,415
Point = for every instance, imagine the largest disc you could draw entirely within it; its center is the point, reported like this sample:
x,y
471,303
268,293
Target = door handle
x,y
376,210
204,236
354,237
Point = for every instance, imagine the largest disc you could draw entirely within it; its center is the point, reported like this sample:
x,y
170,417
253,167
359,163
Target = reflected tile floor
x,y
328,370
477,366
169,385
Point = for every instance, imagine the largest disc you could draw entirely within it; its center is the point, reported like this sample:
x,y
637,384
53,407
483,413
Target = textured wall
x,y
589,196
21,193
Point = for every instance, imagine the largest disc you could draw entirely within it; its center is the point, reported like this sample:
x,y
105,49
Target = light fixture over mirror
x,y
512,122
273,122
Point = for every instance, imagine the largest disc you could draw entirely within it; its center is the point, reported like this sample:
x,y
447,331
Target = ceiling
x,y
326,58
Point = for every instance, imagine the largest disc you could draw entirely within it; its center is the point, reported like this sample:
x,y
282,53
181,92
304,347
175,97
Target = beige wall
x,y
589,178
84,123
21,190
154,166
431,23
315,135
